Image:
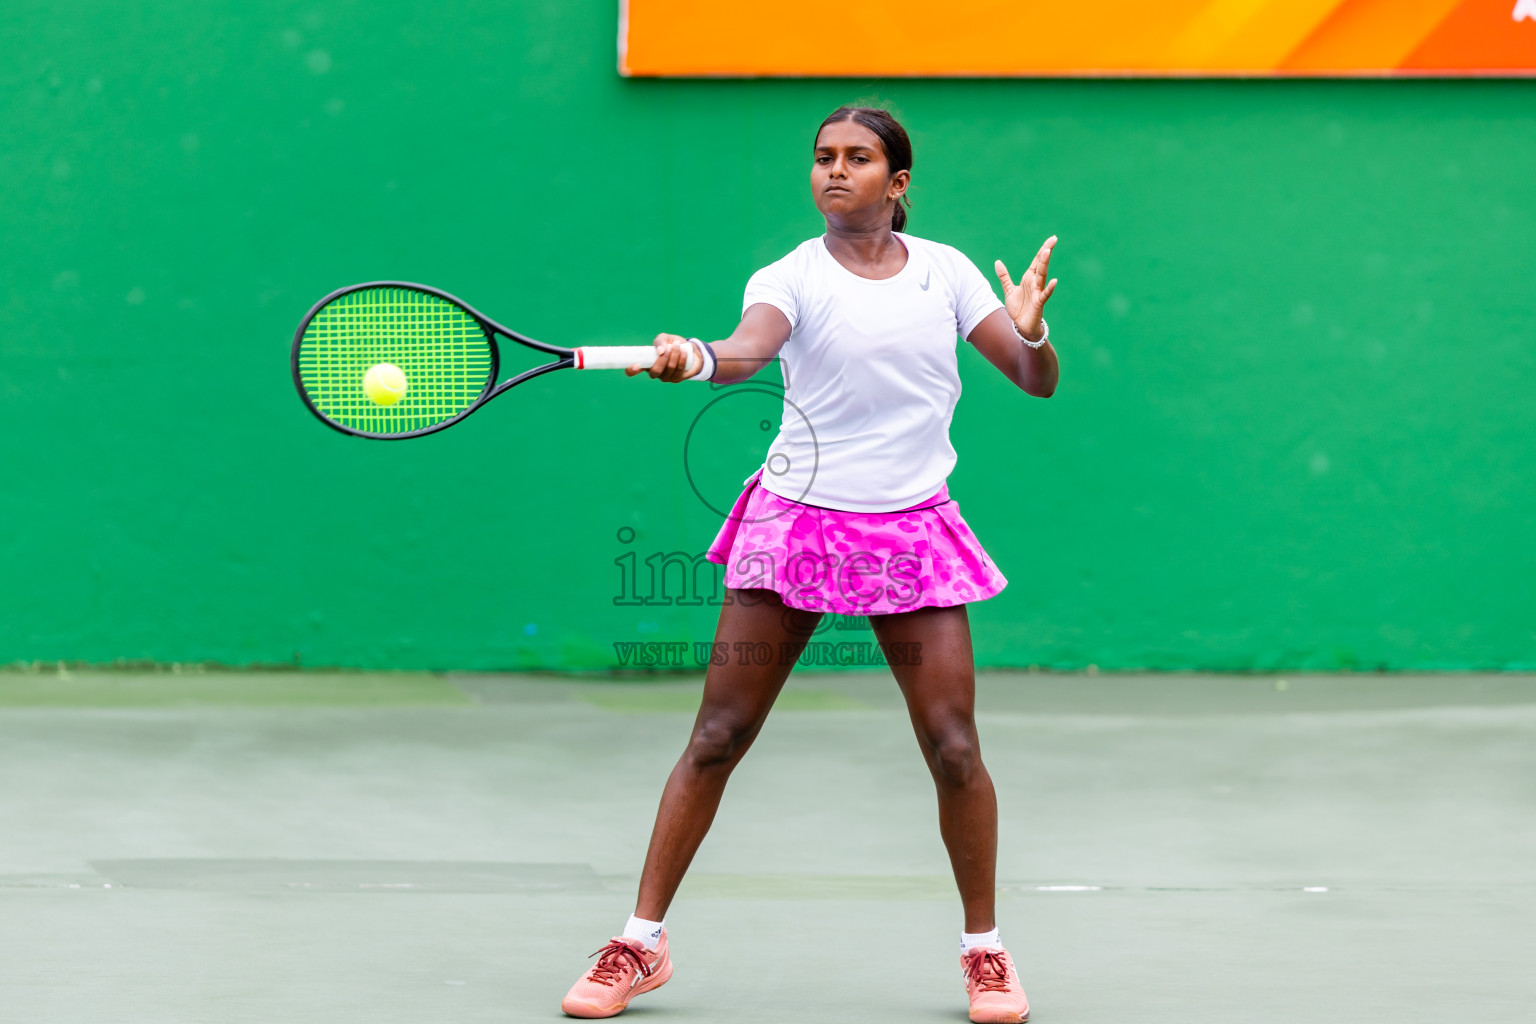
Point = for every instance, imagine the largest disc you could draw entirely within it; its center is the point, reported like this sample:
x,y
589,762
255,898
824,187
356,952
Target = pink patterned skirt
x,y
854,563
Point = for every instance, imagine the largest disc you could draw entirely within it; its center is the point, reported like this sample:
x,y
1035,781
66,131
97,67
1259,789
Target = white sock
x,y
648,932
969,941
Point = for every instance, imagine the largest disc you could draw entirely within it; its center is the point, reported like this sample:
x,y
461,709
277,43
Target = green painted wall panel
x,y
1296,325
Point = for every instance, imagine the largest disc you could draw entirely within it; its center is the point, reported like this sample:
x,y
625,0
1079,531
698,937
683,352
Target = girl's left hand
x,y
1026,300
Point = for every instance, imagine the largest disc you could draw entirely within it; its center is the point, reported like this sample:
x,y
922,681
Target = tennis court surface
x,y
419,848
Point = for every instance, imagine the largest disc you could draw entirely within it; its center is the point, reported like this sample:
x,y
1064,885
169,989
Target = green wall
x,y
1294,428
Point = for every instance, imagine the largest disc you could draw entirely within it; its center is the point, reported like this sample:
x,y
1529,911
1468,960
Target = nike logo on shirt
x,y
924,285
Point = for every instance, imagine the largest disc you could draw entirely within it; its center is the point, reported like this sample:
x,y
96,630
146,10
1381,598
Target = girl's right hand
x,y
673,353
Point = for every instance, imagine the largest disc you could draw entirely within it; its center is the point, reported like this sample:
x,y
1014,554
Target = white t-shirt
x,y
870,374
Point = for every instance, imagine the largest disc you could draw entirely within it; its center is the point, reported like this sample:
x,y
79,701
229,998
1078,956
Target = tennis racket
x,y
436,355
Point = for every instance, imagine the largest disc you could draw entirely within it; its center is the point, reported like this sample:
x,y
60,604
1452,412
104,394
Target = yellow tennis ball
x,y
384,384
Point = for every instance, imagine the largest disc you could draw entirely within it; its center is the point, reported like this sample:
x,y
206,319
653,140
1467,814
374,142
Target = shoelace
x,y
976,969
614,959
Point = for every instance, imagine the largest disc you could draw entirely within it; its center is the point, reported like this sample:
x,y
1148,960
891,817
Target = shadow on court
x,y
411,848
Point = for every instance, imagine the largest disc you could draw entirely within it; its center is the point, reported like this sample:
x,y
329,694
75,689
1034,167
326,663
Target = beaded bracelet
x,y
1043,338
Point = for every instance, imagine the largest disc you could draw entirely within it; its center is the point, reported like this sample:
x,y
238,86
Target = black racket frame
x,y
490,327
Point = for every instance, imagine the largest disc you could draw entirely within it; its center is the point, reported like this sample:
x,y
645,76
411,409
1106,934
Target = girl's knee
x,y
955,757
718,742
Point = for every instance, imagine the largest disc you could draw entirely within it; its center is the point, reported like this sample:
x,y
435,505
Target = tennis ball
x,y
384,384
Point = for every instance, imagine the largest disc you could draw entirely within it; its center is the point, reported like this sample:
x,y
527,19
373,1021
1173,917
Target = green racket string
x,y
441,349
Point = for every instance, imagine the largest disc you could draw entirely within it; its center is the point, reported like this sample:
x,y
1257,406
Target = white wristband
x,y
1043,338
707,372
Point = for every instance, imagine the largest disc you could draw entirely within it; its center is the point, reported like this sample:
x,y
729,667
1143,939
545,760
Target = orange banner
x,y
981,38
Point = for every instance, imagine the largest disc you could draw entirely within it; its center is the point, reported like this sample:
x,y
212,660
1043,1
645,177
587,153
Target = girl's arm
x,y
1035,370
752,345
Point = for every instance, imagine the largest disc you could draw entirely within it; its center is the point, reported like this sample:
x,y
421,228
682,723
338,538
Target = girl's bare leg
x,y
938,679
737,698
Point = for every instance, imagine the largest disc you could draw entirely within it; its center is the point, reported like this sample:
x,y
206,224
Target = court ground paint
x,y
1341,849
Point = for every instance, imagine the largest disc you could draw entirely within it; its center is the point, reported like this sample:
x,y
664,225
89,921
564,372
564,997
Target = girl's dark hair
x,y
893,139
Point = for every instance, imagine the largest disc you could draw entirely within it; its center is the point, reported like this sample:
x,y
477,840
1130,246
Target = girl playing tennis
x,y
850,513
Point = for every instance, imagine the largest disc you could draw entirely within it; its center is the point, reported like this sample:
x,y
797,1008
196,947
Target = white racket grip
x,y
622,357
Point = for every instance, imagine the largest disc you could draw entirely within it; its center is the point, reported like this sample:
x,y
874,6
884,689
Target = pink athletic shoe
x,y
993,985
624,969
